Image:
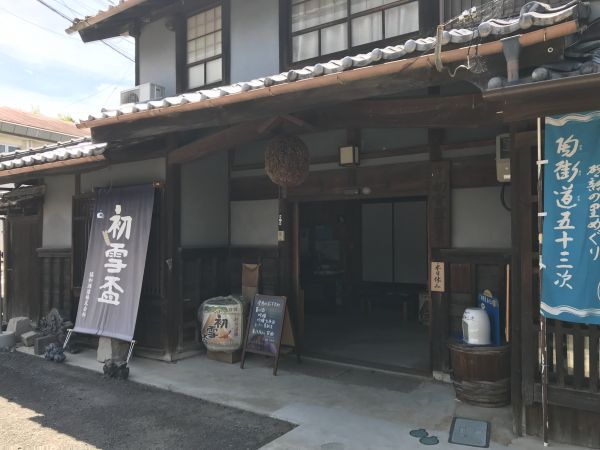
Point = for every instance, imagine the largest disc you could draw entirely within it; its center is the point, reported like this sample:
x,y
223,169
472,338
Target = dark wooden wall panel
x,y
23,236
567,425
56,293
211,272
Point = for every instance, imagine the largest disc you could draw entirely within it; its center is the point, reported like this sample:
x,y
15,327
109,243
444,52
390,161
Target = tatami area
x,y
336,407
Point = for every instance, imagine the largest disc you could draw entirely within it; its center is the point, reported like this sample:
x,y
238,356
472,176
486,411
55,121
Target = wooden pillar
x,y
515,283
284,231
522,338
172,244
438,219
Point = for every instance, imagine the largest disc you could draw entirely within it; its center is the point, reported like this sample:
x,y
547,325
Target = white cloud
x,y
95,73
35,45
107,95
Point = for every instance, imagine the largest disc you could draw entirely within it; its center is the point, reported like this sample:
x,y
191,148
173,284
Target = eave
x,y
382,79
117,20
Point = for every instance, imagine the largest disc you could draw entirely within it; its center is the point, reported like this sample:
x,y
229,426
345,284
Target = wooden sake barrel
x,y
481,374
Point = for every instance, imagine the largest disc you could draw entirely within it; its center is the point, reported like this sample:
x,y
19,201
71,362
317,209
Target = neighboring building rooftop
x,y
62,154
37,126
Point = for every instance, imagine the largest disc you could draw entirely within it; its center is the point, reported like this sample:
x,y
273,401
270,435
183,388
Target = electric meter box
x,y
503,158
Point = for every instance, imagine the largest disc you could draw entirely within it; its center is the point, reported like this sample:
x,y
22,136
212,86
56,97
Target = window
x,y
321,27
5,148
204,49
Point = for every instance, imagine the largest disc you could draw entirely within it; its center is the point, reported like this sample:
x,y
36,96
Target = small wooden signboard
x,y
265,326
437,276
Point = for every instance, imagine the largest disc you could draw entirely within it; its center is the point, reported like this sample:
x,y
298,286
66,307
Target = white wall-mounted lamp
x,y
349,156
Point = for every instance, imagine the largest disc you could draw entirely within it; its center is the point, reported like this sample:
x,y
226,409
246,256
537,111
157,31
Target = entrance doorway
x,y
363,270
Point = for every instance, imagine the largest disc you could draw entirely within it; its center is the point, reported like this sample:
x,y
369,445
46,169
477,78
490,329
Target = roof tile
x,y
532,14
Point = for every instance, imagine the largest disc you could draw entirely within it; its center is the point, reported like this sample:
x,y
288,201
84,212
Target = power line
x,y
119,51
77,13
64,36
106,88
70,20
51,8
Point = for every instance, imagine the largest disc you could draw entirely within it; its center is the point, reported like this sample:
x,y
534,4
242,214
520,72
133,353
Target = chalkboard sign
x,y
265,326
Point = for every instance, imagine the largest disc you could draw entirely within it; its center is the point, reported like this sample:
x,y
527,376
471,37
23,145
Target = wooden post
x,y
299,307
543,323
515,307
172,243
287,286
438,218
523,342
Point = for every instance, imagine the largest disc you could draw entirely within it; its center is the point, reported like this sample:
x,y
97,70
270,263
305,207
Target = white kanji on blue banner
x,y
571,245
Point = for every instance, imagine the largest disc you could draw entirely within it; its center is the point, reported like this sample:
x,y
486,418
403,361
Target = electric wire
x,y
70,20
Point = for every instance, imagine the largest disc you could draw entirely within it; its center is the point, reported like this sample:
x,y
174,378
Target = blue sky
x,y
42,67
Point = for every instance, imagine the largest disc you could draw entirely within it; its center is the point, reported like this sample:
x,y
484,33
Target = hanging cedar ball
x,y
287,161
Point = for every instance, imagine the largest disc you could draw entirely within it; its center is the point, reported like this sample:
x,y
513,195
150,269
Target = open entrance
x,y
363,270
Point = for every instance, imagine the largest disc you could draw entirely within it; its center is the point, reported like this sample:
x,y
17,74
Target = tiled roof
x,y
581,58
533,14
62,151
87,21
18,117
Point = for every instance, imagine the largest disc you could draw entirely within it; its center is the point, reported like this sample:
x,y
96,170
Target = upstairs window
x,y
205,49
5,148
322,27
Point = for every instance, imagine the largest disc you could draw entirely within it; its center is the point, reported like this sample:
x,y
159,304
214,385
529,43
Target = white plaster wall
x,y
254,223
125,174
479,219
58,211
157,56
254,39
205,202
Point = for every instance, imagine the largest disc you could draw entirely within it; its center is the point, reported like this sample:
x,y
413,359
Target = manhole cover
x,y
474,433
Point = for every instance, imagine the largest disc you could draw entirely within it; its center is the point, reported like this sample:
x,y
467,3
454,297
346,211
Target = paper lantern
x,y
287,161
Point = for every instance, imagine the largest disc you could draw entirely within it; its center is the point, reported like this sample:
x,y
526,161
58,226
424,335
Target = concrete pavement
x,y
335,407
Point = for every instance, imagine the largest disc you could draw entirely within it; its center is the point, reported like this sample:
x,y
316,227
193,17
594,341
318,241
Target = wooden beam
x,y
561,101
431,112
269,125
385,181
303,125
224,139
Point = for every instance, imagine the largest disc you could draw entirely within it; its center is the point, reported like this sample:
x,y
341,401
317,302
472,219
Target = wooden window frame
x,y
426,20
181,47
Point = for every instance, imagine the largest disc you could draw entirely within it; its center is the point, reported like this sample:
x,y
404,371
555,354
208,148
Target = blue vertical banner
x,y
571,234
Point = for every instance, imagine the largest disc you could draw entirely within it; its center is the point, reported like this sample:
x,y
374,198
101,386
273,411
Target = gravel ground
x,y
57,406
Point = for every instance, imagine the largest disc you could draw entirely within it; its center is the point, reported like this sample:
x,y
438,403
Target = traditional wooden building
x,y
420,123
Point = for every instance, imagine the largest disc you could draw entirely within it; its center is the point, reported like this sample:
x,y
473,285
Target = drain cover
x,y
420,433
429,440
474,433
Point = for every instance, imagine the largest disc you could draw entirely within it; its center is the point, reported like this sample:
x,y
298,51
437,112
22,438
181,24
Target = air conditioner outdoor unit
x,y
142,93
